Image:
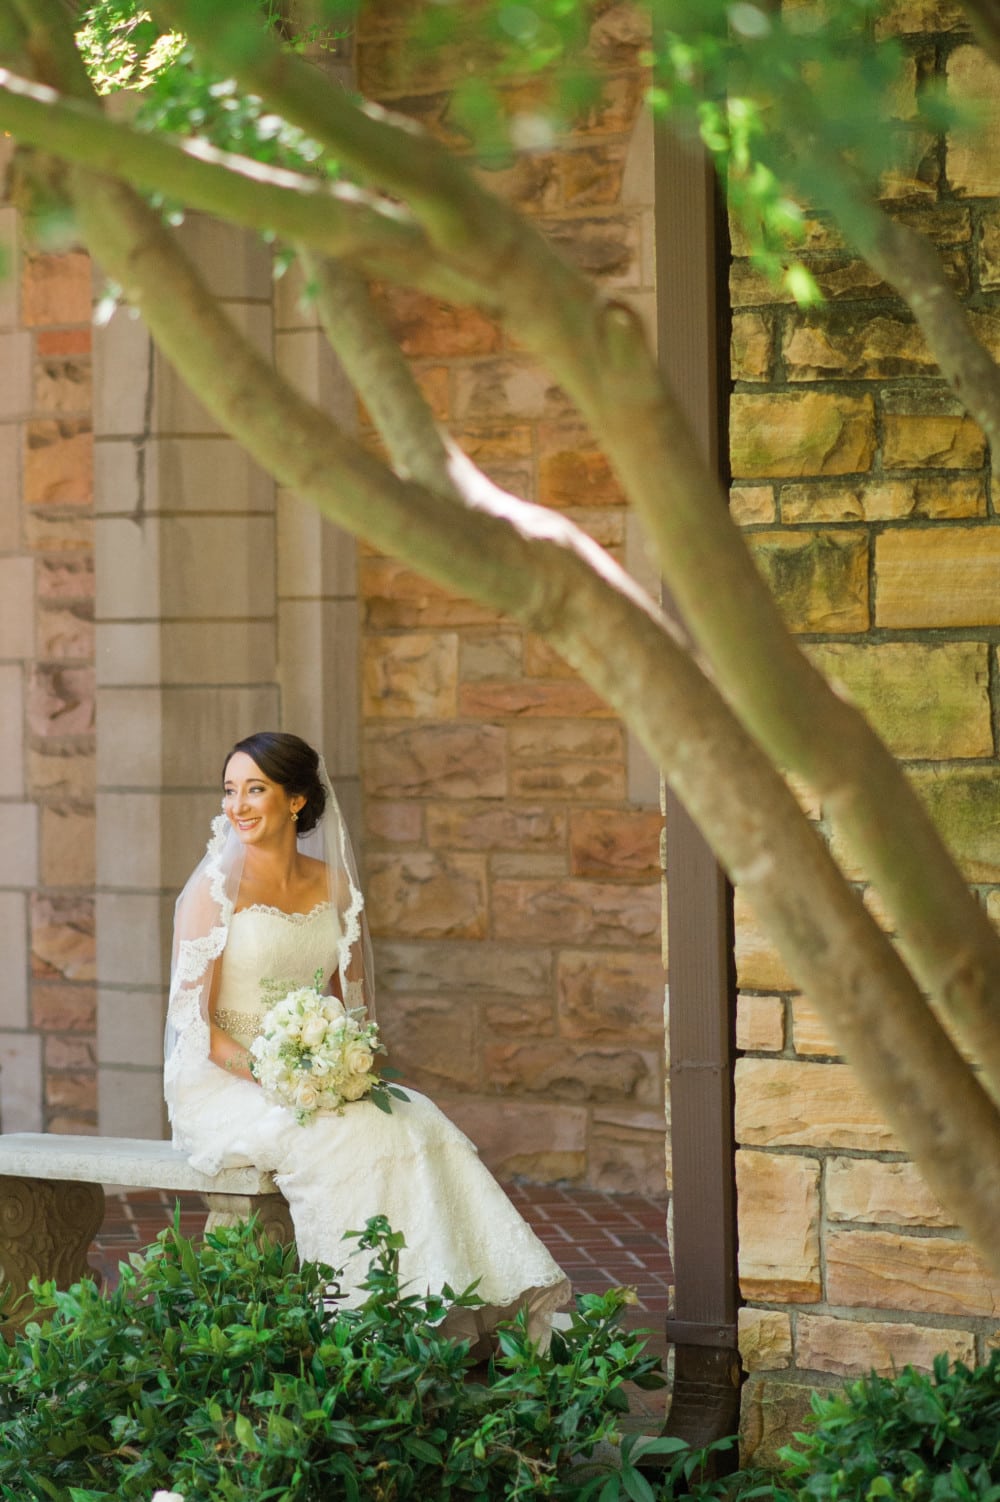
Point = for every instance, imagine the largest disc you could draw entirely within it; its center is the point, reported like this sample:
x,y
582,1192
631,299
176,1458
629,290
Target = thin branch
x,y
379,373
337,218
544,571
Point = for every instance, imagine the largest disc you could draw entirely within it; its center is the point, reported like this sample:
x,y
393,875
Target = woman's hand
x,y
230,1055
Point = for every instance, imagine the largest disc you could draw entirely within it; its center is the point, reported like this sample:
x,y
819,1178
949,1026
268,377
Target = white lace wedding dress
x,y
413,1166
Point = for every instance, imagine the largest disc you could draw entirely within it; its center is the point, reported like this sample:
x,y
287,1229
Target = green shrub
x,y
223,1370
915,1437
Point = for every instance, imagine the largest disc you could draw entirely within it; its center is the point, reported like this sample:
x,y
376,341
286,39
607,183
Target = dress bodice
x,y
269,953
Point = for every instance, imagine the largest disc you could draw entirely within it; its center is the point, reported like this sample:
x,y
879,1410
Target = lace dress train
x,y
413,1166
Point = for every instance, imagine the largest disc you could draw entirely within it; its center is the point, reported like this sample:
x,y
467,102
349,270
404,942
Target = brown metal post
x,y
693,326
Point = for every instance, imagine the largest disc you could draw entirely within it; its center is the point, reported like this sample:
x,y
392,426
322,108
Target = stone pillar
x,y
186,654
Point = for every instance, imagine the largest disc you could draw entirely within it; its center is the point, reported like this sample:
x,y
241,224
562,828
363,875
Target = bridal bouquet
x,y
313,1054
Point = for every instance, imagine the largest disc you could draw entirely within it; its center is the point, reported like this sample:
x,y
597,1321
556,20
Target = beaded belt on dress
x,y
243,1024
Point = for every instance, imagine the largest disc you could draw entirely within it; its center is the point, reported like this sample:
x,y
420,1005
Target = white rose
x,y
333,1009
306,1095
313,1031
355,1087
358,1057
167,1497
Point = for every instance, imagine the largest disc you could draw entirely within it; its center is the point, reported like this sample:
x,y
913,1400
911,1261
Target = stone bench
x,y
52,1198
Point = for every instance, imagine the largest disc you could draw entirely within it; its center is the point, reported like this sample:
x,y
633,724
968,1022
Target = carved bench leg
x,y
46,1227
273,1217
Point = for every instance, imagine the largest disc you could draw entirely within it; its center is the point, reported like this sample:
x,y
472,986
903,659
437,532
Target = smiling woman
x,y
274,905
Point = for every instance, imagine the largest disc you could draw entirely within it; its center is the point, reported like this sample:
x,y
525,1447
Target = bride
x,y
274,900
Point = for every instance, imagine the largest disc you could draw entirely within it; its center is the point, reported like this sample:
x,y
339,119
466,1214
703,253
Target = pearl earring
x,y
295,816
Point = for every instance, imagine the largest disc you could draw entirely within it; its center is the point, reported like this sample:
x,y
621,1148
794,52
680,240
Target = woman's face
x,y
258,809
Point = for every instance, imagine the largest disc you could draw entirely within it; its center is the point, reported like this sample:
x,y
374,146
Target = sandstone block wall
x,y
868,500
512,830
47,1002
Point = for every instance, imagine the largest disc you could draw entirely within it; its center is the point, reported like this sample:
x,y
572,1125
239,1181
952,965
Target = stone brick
x,y
62,385
442,761
410,677
785,1103
520,1016
543,661
772,1411
611,996
925,1274
397,823
427,895
543,1143
495,827
878,348
590,177
616,842
532,181
69,1053
497,655
760,1024
965,805
62,772
912,17
491,970
65,579
759,967
879,1193
848,1348
820,579
65,634
810,1034
569,779
59,463
583,740
53,529
506,384
563,1070
430,1041
605,248
61,1007
626,1161
778,1199
927,701
397,597
750,350
942,497
573,472
67,848
574,912
765,1338
752,505
930,577
792,434
63,342
56,288
989,250
61,701
62,938
972,151
931,440
425,328
524,699
72,1092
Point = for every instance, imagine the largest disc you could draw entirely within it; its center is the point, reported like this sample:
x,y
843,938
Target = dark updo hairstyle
x,y
294,766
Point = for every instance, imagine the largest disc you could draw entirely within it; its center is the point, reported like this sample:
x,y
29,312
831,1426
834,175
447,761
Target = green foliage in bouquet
x,y
223,1370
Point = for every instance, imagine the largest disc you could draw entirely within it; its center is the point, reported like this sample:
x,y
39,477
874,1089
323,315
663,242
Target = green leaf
x,y
636,1485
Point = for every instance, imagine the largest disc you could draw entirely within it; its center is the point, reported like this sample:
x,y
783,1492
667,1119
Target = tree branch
x,y
538,567
338,219
379,373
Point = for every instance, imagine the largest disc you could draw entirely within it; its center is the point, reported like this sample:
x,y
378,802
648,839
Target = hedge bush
x,y
223,1370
